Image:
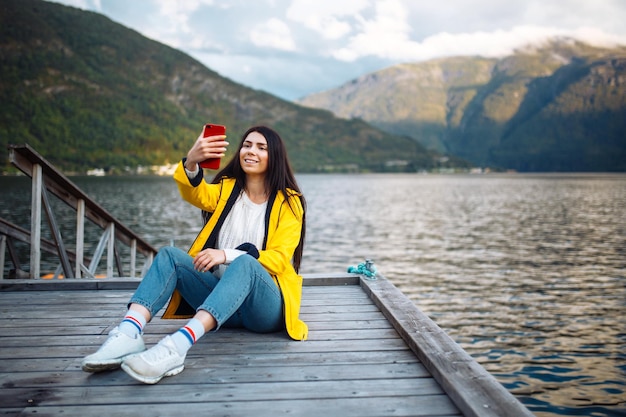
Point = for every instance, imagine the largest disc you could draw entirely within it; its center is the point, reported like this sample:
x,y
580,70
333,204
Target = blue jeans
x,y
245,296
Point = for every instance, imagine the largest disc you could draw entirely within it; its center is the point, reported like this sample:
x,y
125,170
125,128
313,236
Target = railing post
x,y
35,222
3,246
111,250
80,235
133,257
147,265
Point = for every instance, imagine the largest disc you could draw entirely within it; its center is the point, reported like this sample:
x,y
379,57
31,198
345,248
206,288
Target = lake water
x,y
526,272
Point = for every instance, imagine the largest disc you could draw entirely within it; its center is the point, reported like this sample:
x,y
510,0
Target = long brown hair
x,y
279,176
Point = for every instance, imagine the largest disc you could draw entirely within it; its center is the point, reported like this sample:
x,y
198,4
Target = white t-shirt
x,y
245,223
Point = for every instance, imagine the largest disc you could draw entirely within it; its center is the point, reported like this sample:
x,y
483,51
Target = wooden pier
x,y
371,352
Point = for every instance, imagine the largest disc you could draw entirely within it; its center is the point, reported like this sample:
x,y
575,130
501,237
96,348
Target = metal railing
x,y
47,179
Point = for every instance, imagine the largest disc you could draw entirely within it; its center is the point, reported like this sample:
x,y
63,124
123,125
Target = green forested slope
x,y
87,92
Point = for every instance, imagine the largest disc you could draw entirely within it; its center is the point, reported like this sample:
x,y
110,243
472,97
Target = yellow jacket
x,y
283,229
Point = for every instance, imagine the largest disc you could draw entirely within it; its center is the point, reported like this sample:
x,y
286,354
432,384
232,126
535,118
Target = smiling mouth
x,y
249,161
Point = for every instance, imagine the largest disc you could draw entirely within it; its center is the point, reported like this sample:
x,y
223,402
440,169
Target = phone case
x,y
212,130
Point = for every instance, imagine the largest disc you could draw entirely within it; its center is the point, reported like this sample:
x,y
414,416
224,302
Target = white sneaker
x,y
113,350
155,363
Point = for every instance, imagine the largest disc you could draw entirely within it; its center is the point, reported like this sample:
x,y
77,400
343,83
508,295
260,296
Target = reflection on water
x,y
526,272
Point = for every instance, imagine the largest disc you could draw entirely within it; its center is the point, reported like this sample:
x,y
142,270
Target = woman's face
x,y
253,155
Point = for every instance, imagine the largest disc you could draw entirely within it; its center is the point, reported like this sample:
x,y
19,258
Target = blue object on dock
x,y
367,269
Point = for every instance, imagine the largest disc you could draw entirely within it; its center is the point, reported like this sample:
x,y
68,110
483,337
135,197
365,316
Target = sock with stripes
x,y
188,335
132,324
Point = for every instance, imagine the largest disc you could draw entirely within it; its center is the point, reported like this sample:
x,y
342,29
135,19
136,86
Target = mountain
x,y
555,107
87,92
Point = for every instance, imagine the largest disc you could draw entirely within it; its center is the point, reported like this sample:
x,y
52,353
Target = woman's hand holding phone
x,y
209,148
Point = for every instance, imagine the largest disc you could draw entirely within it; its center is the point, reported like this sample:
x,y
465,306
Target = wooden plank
x,y
64,329
47,325
343,295
471,387
121,283
16,338
89,297
69,284
326,279
311,346
230,373
346,407
240,360
367,311
202,392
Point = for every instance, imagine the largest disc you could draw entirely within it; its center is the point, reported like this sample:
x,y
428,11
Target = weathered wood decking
x,y
370,352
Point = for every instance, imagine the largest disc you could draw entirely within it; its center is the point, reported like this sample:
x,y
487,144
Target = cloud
x,y
171,23
385,35
273,34
388,36
328,18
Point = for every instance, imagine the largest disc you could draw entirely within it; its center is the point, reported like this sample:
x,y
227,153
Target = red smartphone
x,y
212,130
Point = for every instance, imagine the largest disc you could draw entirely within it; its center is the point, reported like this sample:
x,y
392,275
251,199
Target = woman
x,y
241,270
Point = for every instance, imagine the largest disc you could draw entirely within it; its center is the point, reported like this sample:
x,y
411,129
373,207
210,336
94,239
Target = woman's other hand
x,y
208,258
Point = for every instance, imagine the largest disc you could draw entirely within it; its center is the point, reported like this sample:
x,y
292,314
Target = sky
x,y
293,48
